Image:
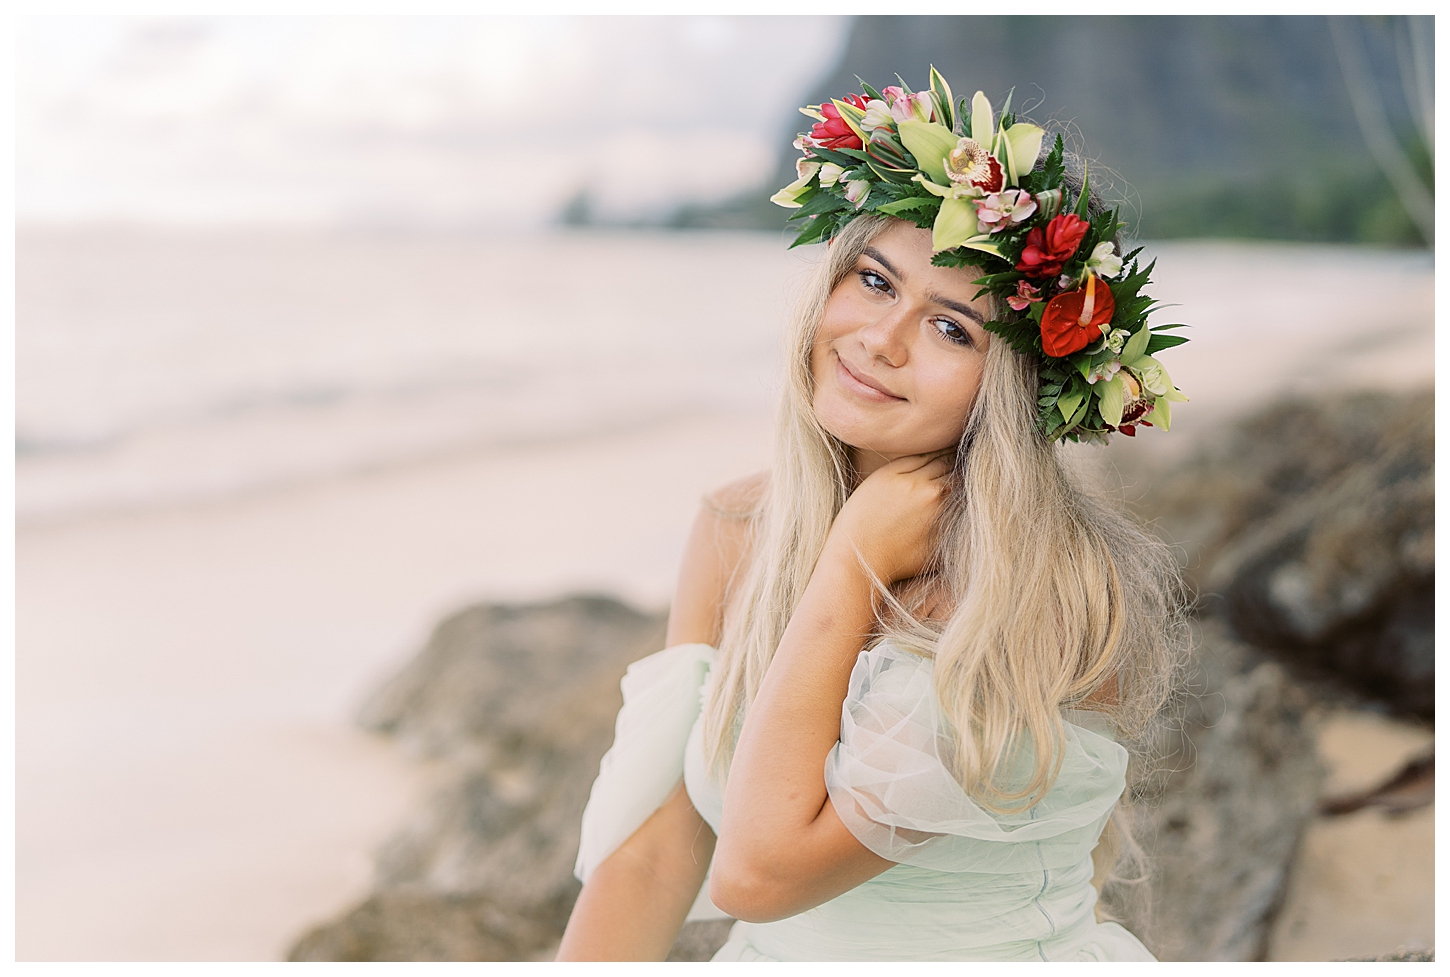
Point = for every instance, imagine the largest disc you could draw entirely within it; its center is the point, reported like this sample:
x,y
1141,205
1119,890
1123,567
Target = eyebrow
x,y
965,310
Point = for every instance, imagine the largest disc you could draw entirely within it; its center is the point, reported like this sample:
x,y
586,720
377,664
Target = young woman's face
x,y
898,357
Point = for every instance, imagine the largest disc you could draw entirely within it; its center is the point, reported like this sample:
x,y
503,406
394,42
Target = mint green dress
x,y
968,884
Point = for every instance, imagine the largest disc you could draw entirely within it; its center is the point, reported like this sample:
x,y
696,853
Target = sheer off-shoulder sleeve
x,y
661,703
889,778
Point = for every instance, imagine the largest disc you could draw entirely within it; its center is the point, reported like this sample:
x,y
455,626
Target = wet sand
x,y
1364,883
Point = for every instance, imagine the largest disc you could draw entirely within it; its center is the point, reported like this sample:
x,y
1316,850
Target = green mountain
x,y
1204,126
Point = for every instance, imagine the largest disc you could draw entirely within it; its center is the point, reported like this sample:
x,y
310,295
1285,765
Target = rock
x,y
517,705
1402,955
419,924
1310,529
700,939
1340,583
1221,808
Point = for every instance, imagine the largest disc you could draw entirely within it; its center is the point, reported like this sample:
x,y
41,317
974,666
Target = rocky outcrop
x,y
1219,804
517,705
1309,536
1310,529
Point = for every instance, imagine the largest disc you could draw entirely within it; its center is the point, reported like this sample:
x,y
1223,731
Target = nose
x,y
888,337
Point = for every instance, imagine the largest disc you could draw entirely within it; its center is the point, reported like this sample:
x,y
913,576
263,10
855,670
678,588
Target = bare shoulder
x,y
739,499
715,556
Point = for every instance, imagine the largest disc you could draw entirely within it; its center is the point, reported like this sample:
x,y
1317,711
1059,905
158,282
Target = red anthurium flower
x,y
1048,248
834,133
1072,320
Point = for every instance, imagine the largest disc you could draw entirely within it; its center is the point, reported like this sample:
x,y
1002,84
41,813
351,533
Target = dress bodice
x,y
969,884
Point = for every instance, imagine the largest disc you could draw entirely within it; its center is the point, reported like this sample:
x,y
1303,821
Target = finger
x,y
937,468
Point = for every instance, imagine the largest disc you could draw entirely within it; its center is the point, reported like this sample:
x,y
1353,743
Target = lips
x,y
862,384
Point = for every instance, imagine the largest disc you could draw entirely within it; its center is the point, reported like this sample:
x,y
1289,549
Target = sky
x,y
413,121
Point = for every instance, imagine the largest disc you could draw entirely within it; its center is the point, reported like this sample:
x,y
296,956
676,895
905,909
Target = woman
x,y
928,637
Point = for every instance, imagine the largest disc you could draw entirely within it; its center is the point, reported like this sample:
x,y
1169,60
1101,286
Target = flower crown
x,y
991,205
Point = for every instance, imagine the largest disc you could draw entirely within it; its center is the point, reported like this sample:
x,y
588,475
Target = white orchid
x,y
1104,371
1104,262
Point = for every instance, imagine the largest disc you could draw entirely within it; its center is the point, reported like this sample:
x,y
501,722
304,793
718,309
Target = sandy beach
x,y
190,652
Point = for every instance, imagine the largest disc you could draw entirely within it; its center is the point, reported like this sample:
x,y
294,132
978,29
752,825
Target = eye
x,y
953,331
875,281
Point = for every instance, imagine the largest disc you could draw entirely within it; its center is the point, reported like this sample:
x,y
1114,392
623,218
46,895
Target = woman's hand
x,y
889,522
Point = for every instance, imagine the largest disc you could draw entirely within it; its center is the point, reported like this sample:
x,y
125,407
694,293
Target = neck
x,y
865,462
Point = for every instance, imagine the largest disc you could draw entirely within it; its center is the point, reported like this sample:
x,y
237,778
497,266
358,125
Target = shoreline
x,y
176,664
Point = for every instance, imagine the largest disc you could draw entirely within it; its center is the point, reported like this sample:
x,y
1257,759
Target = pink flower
x,y
999,211
1026,295
856,191
905,107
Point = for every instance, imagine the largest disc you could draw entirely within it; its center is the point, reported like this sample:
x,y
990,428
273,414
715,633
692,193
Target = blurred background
x,y
331,327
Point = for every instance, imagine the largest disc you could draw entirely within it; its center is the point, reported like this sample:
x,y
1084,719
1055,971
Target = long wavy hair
x,y
1057,599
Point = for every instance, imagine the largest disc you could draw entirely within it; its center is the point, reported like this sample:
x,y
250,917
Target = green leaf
x,y
852,116
822,203
1068,402
1081,412
888,174
1082,199
942,97
1159,343
816,229
1135,347
905,204
839,157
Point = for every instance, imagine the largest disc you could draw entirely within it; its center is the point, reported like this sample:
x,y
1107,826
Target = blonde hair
x,y
1056,597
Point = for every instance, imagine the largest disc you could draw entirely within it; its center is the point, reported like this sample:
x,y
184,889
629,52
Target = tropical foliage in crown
x,y
994,202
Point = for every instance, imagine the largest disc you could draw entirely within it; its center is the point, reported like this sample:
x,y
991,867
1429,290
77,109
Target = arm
x,y
782,847
636,900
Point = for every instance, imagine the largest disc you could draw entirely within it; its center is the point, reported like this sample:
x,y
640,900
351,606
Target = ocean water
x,y
158,367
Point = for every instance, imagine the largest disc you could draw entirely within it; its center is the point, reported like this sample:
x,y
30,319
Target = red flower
x,y
1064,328
834,133
1049,247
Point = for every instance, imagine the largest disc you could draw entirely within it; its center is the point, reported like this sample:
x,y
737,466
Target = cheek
x,y
947,390
835,323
